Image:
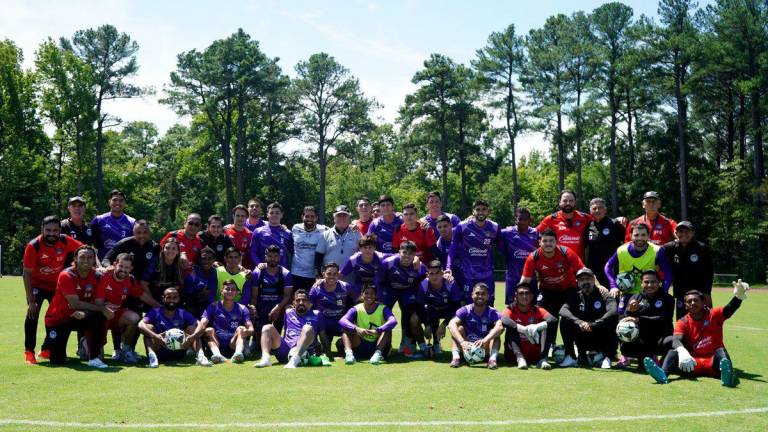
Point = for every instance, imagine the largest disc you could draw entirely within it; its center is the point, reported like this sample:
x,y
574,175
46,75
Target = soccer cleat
x,y
264,362
544,365
455,362
153,362
293,362
492,364
521,363
97,363
44,354
606,363
325,361
568,361
130,356
237,358
203,361
118,355
376,358
727,377
623,362
655,371
29,357
349,358
82,348
218,358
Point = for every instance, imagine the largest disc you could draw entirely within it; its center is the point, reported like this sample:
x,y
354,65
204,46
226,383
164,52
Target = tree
x,y
332,110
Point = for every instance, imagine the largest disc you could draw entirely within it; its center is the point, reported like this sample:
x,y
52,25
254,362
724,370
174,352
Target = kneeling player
x,y
527,328
367,329
697,342
477,325
231,325
331,297
302,326
169,316
438,300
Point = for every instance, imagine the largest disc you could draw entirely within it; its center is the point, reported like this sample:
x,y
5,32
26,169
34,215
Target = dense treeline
x,y
628,104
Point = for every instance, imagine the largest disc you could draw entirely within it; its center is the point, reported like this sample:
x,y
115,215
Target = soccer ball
x,y
174,338
627,331
558,353
625,281
474,355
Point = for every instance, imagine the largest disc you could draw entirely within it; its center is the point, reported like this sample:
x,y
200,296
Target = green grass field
x,y
139,398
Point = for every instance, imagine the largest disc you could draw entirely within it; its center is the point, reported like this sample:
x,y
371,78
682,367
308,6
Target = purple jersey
x,y
196,281
516,247
294,323
253,227
384,232
160,323
439,299
358,273
433,222
270,287
393,277
108,230
226,321
471,251
271,235
443,246
477,327
331,304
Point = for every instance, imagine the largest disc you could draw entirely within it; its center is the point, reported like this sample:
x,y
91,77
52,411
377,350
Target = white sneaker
x,y
568,362
97,363
153,362
264,362
293,362
218,358
606,364
521,363
349,358
376,358
203,361
237,358
544,364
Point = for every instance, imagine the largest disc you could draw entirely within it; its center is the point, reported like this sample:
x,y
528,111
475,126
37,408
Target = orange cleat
x,y
29,357
44,354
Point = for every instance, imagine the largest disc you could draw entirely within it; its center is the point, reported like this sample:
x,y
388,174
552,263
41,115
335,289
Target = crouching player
x,y
527,327
331,297
302,325
367,329
438,299
230,326
476,325
697,342
170,316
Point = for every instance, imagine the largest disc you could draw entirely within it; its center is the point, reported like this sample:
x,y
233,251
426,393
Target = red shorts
x,y
113,324
531,353
704,366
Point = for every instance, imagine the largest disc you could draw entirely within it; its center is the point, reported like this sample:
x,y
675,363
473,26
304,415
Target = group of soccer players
x,y
257,288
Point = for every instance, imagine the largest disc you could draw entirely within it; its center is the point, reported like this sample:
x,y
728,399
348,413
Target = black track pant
x,y
92,326
30,324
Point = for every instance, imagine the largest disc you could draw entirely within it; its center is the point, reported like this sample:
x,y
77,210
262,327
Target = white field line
x,y
361,424
747,327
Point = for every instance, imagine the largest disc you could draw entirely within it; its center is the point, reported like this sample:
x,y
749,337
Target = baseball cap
x,y
341,209
651,194
585,271
684,224
76,199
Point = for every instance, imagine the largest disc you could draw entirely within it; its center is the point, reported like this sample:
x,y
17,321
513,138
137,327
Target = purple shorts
x,y
282,351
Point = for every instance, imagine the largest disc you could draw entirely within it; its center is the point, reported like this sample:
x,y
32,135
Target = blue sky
x,y
383,43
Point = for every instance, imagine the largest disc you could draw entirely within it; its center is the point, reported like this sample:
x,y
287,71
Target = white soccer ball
x,y
627,331
174,338
558,353
625,281
474,355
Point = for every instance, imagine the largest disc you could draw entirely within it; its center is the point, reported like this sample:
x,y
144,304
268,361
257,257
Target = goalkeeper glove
x,y
685,362
534,332
740,289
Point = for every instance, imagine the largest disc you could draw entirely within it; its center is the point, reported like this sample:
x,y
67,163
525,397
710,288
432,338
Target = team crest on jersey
x,y
598,304
694,258
658,303
59,250
577,223
88,231
658,227
606,231
219,247
530,320
148,255
52,334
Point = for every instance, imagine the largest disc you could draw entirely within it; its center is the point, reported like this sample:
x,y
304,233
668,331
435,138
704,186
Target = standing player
x,y
170,316
254,221
306,237
470,257
145,251
302,325
213,237
697,342
412,230
476,325
435,210
332,298
339,243
517,242
445,236
361,268
527,327
367,329
661,228
230,326
364,215
272,290
272,234
189,242
76,226
113,226
440,299
375,212
73,308
239,234
570,225
44,258
384,226
691,263
605,236
200,284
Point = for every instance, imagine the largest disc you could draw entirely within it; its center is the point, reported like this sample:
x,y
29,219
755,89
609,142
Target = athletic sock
x,y
494,353
239,347
200,353
348,352
215,351
455,353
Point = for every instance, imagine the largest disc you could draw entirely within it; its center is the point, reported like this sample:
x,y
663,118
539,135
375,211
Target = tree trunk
x,y
240,149
462,168
511,134
323,165
579,183
614,174
681,145
758,168
731,133
560,146
742,128
270,153
226,151
630,137
99,160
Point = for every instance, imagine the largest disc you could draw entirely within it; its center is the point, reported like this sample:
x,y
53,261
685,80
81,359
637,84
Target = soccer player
x,y
605,236
113,226
697,341
398,281
189,242
213,237
239,234
254,221
306,237
232,270
470,258
302,325
164,271
73,308
200,284
570,225
589,319
661,228
422,235
516,243
384,226
435,210
161,319
367,329
375,212
274,233
361,268
145,251
631,259
227,326
691,264
364,215
331,297
476,325
527,327
440,299
445,236
652,311
272,288
76,226
114,287
339,243
44,258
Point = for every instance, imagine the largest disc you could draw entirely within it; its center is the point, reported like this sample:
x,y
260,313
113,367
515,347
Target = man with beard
x,y
76,226
170,316
306,237
187,239
445,236
145,251
691,263
44,258
476,325
200,284
302,325
527,327
113,226
332,298
367,329
570,225
254,221
213,237
516,243
272,288
435,210
605,236
338,243
239,235
384,226
660,227
470,258
226,326
363,222
589,322
274,233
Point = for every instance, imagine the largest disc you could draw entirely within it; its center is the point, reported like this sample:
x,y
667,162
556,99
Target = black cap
x,y
586,271
341,209
76,199
651,194
684,224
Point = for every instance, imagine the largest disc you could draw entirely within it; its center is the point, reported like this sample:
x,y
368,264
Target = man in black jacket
x,y
691,263
605,235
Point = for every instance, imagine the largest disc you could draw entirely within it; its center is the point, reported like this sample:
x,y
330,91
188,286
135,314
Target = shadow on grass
x,y
82,367
743,375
